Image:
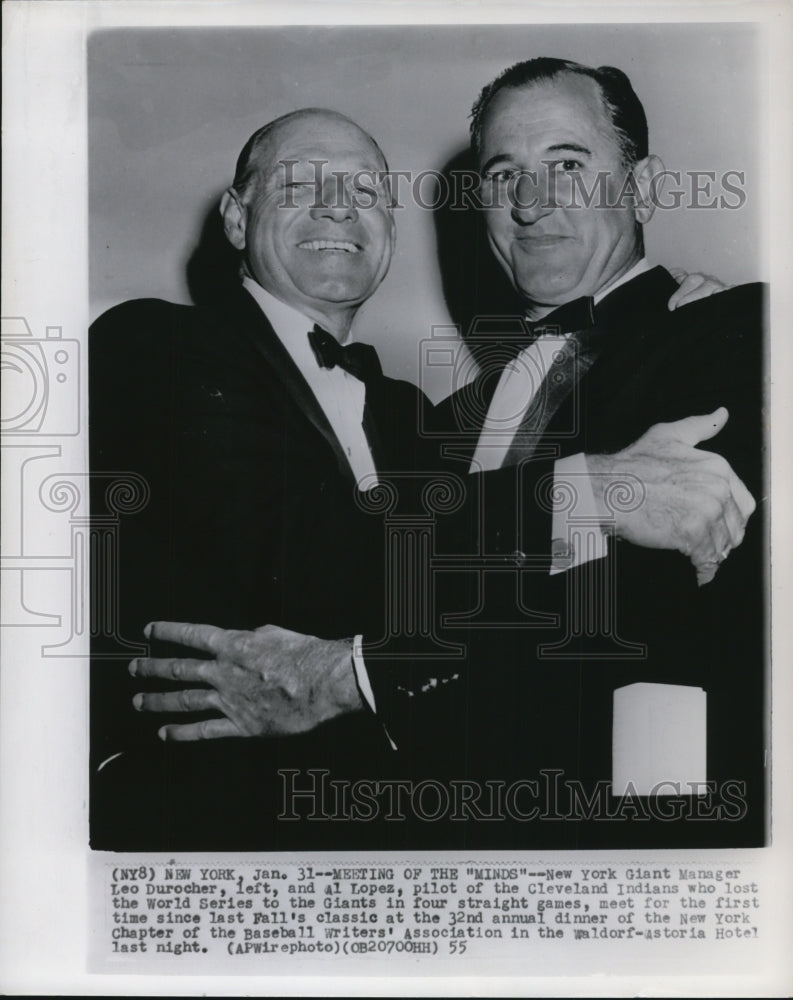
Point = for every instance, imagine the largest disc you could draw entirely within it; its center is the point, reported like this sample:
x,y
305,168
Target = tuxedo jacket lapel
x,y
557,392
244,313
618,346
372,432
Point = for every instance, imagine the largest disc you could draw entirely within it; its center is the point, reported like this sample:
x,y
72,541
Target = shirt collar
x,y
289,323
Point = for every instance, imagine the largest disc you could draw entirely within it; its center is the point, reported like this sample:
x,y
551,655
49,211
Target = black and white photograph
x,y
286,504
394,498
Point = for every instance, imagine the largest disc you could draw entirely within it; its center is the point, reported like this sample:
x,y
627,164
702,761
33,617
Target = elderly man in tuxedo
x,y
255,473
251,441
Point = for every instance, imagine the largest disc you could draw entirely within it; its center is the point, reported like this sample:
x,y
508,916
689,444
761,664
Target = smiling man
x,y
545,156
251,431
294,211
569,183
258,428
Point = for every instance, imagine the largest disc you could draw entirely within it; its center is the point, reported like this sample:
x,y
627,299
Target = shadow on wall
x,y
479,296
212,270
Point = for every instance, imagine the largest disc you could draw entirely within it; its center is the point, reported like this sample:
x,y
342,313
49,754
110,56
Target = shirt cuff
x,y
364,684
577,533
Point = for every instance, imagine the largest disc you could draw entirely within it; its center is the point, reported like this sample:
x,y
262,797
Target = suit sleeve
x,y
493,610
477,551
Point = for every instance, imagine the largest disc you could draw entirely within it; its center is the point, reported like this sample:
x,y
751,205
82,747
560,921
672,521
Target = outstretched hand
x,y
269,682
691,500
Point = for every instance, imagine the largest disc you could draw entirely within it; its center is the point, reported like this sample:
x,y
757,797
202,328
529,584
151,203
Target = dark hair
x,y
247,167
622,106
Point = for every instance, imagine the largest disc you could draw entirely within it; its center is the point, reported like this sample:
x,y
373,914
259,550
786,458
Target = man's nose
x,y
336,201
531,197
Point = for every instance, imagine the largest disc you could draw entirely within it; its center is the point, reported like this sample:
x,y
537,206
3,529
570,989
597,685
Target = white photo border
x,y
45,916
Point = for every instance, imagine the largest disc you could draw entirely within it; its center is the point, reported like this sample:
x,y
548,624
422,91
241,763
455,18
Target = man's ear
x,y
234,218
644,174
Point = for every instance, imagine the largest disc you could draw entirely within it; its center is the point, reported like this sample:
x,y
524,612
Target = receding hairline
x,y
268,134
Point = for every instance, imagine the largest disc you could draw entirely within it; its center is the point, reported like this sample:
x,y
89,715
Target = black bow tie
x,y
577,316
359,360
567,318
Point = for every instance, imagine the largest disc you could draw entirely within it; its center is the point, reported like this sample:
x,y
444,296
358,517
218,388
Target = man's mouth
x,y
540,242
344,245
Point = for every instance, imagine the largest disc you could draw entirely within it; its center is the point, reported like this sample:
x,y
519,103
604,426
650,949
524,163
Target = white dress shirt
x,y
341,396
520,382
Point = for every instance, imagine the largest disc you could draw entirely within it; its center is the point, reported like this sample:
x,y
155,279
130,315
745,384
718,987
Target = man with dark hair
x,y
322,259
620,102
545,131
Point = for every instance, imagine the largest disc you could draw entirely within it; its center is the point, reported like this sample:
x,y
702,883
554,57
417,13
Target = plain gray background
x,y
169,110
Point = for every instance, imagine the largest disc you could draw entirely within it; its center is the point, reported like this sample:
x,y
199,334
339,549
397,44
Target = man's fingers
x,y
211,729
706,557
694,287
735,522
189,700
204,637
726,533
236,645
692,430
172,669
720,542
688,283
705,572
708,286
742,496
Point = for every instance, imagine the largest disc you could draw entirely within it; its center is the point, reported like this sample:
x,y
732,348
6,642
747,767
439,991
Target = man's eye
x,y
570,165
500,176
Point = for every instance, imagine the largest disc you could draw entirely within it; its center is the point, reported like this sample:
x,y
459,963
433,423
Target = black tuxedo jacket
x,y
252,517
536,698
